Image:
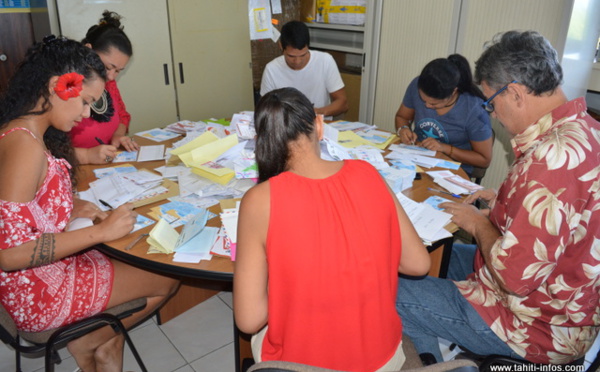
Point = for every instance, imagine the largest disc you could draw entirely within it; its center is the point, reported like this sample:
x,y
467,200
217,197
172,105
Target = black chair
x,y
477,173
48,342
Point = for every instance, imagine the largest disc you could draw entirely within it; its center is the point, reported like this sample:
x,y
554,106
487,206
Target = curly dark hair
x,y
29,86
108,33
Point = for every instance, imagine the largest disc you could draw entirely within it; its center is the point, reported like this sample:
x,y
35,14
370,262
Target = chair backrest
x,y
477,173
412,364
459,365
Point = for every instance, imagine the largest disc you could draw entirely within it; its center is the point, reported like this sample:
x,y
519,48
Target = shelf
x,y
332,26
342,38
338,48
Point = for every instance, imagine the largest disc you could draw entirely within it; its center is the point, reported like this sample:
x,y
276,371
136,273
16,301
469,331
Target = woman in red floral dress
x,y
49,277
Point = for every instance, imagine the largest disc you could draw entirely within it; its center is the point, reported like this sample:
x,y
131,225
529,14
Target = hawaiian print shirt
x,y
548,212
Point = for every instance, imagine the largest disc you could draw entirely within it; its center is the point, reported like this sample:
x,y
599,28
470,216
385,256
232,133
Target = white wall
x,y
580,47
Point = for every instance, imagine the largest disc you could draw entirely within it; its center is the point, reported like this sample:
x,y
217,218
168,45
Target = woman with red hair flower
x,y
50,277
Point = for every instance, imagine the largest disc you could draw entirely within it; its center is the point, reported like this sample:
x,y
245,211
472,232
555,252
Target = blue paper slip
x,y
435,200
103,172
142,222
125,156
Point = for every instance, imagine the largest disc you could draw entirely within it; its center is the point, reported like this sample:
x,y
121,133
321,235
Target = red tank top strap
x,y
17,128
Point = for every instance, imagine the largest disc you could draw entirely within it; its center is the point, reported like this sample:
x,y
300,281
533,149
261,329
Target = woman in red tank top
x,y
318,249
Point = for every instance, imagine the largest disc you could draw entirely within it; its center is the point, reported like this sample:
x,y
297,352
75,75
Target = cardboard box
x,y
308,10
347,12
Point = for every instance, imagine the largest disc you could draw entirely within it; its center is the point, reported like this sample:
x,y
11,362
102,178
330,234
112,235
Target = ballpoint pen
x,y
444,192
99,141
105,204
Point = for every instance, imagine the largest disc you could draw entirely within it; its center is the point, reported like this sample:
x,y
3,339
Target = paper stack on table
x,y
192,245
428,221
454,183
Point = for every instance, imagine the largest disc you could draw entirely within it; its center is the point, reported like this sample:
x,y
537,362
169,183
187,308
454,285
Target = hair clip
x,y
52,39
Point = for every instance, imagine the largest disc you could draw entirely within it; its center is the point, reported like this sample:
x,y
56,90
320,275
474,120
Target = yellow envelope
x,y
183,153
212,151
220,175
350,139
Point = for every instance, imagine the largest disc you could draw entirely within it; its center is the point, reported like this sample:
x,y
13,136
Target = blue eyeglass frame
x,y
487,105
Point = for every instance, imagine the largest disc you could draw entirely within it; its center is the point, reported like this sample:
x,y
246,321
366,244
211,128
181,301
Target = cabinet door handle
x,y
166,70
181,79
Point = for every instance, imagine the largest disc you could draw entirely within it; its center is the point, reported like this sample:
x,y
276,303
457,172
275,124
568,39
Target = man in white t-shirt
x,y
313,73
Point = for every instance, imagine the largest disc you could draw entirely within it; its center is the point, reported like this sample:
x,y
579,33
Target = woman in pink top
x,y
97,138
318,249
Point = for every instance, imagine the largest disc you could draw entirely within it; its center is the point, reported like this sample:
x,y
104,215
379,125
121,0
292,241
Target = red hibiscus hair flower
x,y
69,85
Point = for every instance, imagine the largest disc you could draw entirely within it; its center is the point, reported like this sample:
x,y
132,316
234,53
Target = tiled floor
x,y
201,339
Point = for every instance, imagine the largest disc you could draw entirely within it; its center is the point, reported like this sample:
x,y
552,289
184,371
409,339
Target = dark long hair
x,y
441,76
281,117
108,33
29,86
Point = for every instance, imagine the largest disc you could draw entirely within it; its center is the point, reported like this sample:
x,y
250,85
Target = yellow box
x,y
341,12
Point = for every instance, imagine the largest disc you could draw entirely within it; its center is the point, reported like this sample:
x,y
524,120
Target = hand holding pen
x,y
103,153
407,136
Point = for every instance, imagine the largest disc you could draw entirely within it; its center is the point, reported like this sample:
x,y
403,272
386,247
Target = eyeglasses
x,y
488,105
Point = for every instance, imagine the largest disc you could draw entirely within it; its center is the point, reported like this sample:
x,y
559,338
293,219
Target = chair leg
x,y
132,347
18,356
107,319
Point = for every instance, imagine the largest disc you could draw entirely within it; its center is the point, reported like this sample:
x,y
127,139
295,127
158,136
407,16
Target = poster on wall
x,y
259,17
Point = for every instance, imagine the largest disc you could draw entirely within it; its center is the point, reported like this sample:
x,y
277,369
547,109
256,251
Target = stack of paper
x,y
399,176
454,183
229,219
192,245
428,221
202,153
157,134
176,213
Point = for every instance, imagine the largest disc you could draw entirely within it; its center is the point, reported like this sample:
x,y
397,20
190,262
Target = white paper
x,y
427,220
259,17
79,223
276,6
149,153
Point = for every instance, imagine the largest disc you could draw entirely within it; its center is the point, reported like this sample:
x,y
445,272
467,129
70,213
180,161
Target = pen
x,y
444,192
99,141
105,204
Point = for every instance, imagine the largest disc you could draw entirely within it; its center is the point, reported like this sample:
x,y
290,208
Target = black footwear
x,y
427,359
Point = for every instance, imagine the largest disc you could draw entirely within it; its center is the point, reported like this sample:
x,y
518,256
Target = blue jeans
x,y
433,307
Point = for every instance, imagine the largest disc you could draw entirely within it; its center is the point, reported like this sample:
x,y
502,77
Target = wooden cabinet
x,y
212,58
191,57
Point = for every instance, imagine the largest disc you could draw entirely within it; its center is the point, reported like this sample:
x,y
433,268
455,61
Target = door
x,y
16,36
212,57
147,83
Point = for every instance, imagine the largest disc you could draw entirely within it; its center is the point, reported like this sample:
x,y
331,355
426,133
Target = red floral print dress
x,y
64,291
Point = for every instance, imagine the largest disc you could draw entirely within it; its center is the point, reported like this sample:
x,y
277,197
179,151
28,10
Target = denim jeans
x,y
433,307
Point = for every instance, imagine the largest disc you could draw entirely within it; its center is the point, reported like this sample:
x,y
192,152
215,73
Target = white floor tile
x,y
156,350
227,297
201,330
217,361
186,368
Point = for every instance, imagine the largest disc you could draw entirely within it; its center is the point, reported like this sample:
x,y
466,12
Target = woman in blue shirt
x,y
442,111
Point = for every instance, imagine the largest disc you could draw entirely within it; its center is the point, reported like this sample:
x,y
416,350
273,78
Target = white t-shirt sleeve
x,y
267,83
333,80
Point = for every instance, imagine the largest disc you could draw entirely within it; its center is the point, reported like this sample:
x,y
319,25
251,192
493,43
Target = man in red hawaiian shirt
x,y
530,287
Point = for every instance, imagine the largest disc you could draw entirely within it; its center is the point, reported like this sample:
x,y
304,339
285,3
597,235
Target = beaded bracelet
x,y
399,129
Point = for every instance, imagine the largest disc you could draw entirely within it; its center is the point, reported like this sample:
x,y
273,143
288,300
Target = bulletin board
x,y
263,51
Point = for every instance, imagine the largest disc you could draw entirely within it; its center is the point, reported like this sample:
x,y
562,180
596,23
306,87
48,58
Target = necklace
x,y
102,110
